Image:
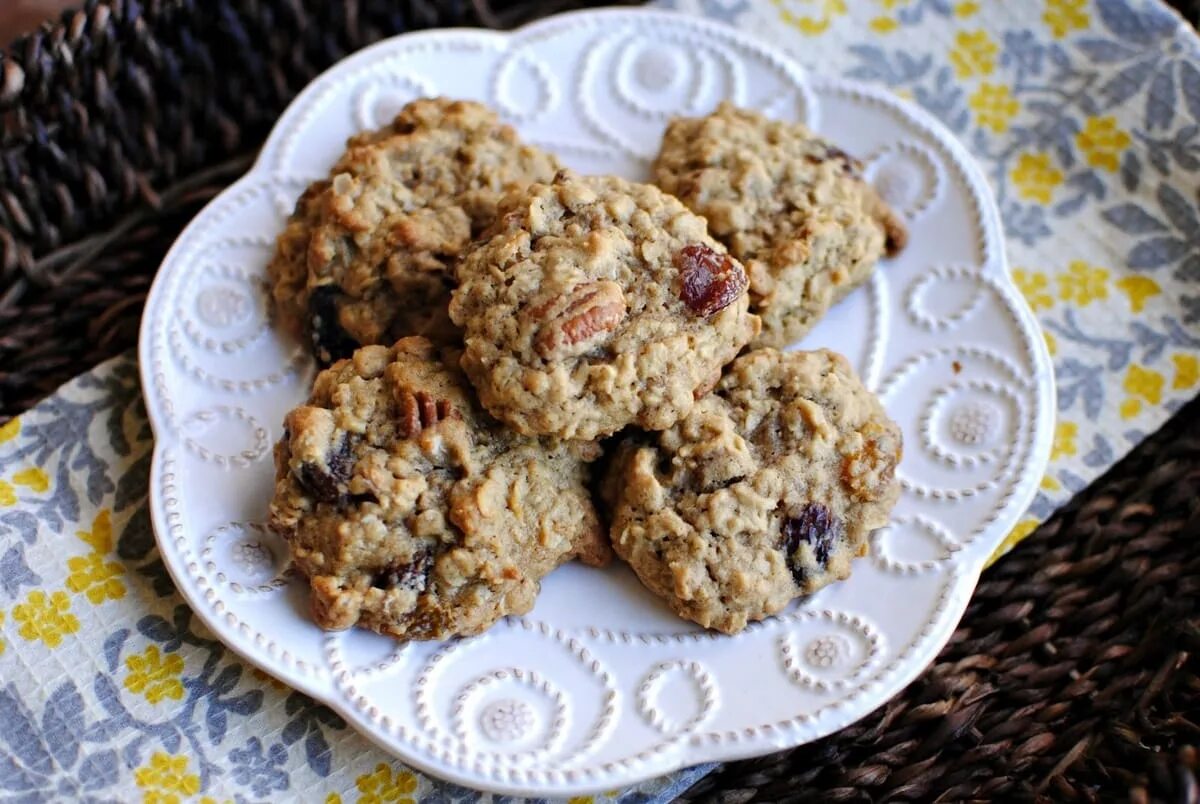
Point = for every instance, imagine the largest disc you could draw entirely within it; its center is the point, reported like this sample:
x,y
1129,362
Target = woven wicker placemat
x,y
1073,674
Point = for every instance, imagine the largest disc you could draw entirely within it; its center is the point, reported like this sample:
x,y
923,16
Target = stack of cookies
x,y
504,338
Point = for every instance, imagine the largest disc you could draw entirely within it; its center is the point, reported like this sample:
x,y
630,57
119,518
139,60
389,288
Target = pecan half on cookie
x,y
595,303
791,206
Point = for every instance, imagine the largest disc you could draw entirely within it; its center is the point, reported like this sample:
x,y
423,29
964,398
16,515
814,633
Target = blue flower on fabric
x,y
260,772
724,10
1170,239
1025,223
309,720
1023,53
1152,50
46,758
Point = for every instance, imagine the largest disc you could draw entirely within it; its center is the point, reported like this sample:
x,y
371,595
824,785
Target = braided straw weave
x,y
1074,673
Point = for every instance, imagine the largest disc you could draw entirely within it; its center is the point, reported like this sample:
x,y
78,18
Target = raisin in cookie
x,y
765,492
788,204
594,303
368,254
411,511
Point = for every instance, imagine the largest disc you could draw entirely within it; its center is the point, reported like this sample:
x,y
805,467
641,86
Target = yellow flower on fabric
x,y
581,800
100,579
883,23
994,106
810,17
974,53
99,538
9,430
1064,440
3,645
154,676
1083,283
384,785
45,617
1035,177
1102,142
1144,382
1049,483
1138,289
33,478
1141,384
1187,371
1019,532
1064,16
966,9
1035,287
165,779
333,798
1051,341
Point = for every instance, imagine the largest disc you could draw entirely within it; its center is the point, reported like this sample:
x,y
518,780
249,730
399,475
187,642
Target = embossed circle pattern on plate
x,y
843,651
246,556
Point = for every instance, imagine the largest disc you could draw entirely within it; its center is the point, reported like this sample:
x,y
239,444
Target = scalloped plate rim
x,y
962,578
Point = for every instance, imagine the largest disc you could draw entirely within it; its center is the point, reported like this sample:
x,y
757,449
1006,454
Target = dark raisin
x,y
413,575
326,483
666,463
708,280
329,341
813,524
850,165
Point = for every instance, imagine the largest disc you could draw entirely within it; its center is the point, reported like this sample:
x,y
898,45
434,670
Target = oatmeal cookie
x,y
411,511
765,492
791,206
368,254
594,303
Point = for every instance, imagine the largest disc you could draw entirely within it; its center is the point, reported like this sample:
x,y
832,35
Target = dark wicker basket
x,y
1074,673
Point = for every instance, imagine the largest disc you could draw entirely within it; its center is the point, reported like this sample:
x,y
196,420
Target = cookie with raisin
x,y
368,254
790,205
595,303
764,493
412,512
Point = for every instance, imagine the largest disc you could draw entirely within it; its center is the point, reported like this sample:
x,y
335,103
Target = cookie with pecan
x,y
764,493
368,254
594,303
790,205
414,513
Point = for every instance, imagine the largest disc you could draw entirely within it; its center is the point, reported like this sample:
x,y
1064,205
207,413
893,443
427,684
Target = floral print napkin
x,y
1084,115
110,689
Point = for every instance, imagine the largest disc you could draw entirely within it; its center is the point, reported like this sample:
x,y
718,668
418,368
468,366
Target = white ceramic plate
x,y
600,686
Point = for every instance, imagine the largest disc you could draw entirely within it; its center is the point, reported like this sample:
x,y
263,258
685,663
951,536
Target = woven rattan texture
x,y
1075,675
